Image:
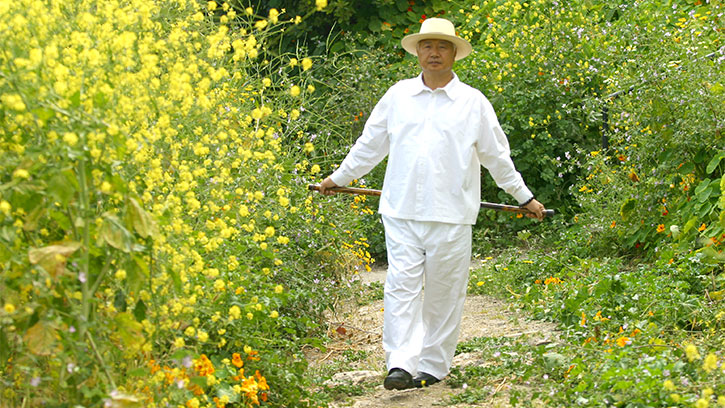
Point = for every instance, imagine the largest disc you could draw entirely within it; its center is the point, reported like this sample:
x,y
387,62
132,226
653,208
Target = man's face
x,y
436,55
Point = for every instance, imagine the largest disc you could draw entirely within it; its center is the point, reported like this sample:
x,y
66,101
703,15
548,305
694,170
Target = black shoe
x,y
398,379
424,380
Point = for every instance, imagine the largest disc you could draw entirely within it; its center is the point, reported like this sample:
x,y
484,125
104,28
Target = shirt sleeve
x,y
494,154
370,148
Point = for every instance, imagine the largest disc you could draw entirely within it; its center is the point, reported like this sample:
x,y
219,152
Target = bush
x,y
658,188
158,242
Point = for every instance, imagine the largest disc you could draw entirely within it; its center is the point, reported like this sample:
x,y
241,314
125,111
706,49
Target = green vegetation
x,y
158,244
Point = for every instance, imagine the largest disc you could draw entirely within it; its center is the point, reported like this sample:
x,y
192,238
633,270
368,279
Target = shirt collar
x,y
451,88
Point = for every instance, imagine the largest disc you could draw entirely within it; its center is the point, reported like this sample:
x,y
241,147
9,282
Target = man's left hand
x,y
537,209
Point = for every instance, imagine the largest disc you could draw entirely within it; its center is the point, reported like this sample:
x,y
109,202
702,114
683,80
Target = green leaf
x,y
63,186
75,99
139,312
687,168
44,114
130,331
375,24
4,346
141,220
704,184
691,223
114,234
123,400
554,360
626,209
714,162
52,258
99,99
180,355
717,88
40,339
228,392
200,381
139,372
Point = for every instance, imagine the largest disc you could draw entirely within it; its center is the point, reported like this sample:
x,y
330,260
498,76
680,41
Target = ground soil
x,y
358,328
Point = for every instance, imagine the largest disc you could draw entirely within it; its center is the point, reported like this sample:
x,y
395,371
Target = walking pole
x,y
491,206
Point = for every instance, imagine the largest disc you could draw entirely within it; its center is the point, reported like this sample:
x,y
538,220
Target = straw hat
x,y
437,29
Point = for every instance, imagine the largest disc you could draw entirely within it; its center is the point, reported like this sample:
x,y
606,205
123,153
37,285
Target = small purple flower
x,y
72,329
82,277
186,362
35,381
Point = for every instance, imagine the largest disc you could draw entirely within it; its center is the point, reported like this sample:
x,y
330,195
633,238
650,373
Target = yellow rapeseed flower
x,y
278,289
261,24
710,363
702,403
234,312
306,64
21,174
71,139
273,16
691,352
295,90
293,62
320,4
669,385
5,207
9,308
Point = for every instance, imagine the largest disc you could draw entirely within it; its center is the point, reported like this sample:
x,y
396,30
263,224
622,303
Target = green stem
x,y
100,360
85,260
104,271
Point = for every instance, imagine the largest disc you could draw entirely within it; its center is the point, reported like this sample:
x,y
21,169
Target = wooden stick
x,y
491,206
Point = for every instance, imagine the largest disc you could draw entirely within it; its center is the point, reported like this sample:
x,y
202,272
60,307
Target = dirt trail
x,y
358,331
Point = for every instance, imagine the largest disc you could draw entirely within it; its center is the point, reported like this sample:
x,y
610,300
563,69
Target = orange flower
x,y
237,360
622,341
552,280
660,228
203,366
614,224
253,355
702,227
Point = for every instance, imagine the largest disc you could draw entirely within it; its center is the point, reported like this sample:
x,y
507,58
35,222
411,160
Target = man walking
x,y
437,132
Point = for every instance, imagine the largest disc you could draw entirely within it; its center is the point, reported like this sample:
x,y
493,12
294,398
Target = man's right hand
x,y
326,186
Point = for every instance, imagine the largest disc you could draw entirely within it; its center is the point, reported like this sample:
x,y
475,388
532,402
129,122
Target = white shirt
x,y
437,141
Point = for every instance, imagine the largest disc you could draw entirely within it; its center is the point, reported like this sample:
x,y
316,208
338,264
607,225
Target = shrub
x,y
158,242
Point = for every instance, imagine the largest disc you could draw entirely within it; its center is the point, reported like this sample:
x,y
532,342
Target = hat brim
x,y
410,43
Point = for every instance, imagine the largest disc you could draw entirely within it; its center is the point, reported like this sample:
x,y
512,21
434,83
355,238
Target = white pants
x,y
420,333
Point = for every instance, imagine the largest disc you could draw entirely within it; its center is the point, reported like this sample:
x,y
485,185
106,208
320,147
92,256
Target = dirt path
x,y
358,359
